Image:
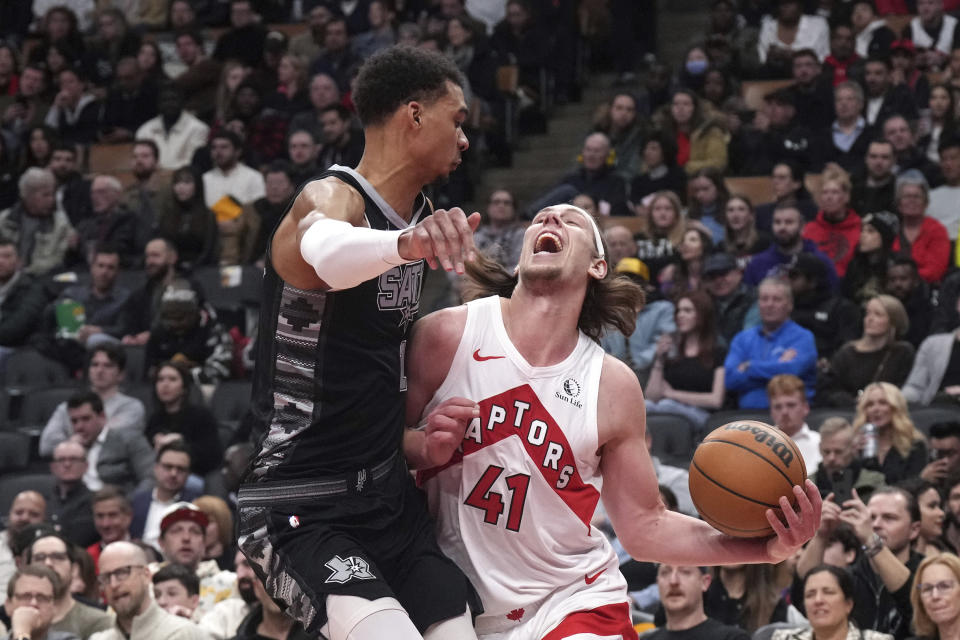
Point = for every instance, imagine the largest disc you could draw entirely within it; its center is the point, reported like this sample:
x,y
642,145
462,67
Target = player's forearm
x,y
674,538
343,255
415,449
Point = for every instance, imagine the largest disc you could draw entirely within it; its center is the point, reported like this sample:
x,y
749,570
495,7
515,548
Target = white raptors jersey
x,y
513,506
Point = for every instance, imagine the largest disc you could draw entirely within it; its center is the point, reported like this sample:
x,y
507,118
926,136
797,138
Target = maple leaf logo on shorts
x,y
515,615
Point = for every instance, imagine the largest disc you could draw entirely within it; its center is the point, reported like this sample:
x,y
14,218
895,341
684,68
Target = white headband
x,y
596,229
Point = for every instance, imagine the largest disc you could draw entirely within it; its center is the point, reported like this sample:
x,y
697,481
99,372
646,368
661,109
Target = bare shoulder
x,y
620,400
440,331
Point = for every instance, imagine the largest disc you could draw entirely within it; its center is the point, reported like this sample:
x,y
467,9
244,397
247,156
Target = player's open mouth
x,y
547,242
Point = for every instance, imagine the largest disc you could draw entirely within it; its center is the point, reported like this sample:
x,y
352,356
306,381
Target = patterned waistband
x,y
264,494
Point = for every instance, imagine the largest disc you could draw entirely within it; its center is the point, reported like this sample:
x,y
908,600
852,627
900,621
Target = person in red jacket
x,y
836,229
921,236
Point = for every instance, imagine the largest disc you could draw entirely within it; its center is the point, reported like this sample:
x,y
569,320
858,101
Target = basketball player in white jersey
x,y
561,424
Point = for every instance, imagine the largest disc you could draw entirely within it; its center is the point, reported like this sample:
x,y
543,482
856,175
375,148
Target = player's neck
x,y
397,177
542,328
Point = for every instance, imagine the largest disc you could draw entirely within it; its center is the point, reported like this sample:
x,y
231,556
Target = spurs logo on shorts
x,y
348,569
400,290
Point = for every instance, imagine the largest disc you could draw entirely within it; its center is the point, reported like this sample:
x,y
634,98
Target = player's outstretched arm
x,y
430,351
647,530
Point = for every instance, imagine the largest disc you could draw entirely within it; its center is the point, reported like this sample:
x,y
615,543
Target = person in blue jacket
x,y
788,243
778,345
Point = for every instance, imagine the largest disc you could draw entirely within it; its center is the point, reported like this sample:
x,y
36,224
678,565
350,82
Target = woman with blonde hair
x,y
290,96
901,448
836,229
879,355
218,538
661,232
741,238
935,597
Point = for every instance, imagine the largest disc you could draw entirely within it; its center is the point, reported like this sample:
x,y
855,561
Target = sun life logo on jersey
x,y
571,389
400,290
351,568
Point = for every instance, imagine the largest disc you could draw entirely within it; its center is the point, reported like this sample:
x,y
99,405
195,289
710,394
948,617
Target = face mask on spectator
x,y
696,67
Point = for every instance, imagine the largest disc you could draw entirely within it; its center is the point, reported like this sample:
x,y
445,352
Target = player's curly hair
x,y
399,75
612,302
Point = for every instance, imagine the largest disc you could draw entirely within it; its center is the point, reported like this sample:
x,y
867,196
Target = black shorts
x,y
367,534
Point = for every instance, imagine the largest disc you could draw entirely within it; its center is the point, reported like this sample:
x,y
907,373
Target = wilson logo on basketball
x,y
780,448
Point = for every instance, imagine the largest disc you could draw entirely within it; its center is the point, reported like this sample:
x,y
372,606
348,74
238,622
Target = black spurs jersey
x,y
329,383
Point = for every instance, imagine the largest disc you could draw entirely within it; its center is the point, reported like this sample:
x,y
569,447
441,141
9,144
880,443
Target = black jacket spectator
x,y
244,44
20,310
833,320
199,428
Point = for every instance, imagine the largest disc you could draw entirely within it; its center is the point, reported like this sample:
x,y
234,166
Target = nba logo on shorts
x,y
348,569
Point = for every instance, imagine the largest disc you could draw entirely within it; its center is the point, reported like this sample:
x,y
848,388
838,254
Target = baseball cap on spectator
x,y
719,263
904,44
634,266
810,266
886,224
181,511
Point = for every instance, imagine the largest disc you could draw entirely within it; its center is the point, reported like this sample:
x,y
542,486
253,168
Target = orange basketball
x,y
739,471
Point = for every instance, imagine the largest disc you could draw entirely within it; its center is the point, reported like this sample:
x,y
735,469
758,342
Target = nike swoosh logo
x,y
480,358
593,578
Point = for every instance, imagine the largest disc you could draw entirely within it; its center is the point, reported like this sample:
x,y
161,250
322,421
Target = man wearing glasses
x,y
125,581
54,552
30,597
170,473
70,508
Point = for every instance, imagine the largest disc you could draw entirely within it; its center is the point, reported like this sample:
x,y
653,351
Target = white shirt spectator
x,y
151,526
943,206
177,145
243,183
812,33
223,619
122,412
84,10
92,477
808,441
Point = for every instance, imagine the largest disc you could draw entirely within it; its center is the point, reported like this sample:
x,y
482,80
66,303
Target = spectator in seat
x,y
812,89
323,93
177,418
775,45
836,229
112,223
684,273
111,40
930,540
265,618
267,211
934,376
735,303
219,541
303,149
843,64
786,179
501,237
170,472
849,135
831,318
709,199
309,44
884,98
879,355
28,108
789,409
229,176
921,236
840,471
193,338
176,590
873,190
901,135
75,113
28,508
112,515
40,231
105,373
56,553
245,39
31,594
661,232
933,31
337,58
627,130
866,275
701,137
945,451
70,506
176,132
130,102
619,239
905,284
901,448
872,35
225,617
741,238
943,199
198,82
658,171
934,596
73,189
778,345
787,245
120,457
144,194
682,590
595,176
125,580
942,123
341,144
187,221
687,373
21,306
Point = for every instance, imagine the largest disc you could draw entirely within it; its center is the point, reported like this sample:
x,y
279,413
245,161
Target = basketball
x,y
739,471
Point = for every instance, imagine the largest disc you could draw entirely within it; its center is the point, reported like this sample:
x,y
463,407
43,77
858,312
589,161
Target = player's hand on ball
x,y
801,524
444,238
445,427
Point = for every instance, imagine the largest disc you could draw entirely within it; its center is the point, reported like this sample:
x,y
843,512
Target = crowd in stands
x,y
798,250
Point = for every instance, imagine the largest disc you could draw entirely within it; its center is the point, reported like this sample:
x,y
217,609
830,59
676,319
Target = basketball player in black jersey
x,y
329,517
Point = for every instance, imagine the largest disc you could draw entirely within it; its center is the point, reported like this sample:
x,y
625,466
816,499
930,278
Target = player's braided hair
x,y
612,302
